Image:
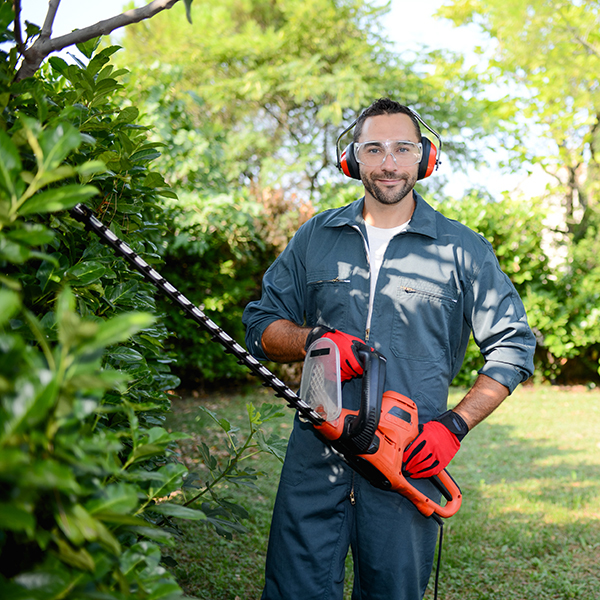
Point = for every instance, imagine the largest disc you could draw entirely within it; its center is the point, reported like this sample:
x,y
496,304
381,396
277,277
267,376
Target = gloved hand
x,y
433,449
348,346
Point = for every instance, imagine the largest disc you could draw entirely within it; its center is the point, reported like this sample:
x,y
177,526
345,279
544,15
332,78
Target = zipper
x,y
352,495
410,290
367,329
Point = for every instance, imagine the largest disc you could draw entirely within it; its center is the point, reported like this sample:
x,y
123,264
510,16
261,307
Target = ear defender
x,y
347,162
429,162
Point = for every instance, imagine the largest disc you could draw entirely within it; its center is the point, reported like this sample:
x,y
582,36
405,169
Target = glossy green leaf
x,y
126,355
88,47
57,143
10,163
79,526
118,329
13,252
48,474
10,304
31,403
117,498
176,510
85,273
157,534
79,558
172,479
140,555
32,234
144,451
57,199
145,155
128,115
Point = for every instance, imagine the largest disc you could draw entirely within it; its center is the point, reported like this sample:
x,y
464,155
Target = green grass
x,y
529,527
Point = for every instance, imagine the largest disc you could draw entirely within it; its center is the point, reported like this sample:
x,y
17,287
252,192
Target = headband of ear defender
x,y
429,162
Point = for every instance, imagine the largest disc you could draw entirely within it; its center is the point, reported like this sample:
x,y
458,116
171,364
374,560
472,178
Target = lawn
x,y
529,527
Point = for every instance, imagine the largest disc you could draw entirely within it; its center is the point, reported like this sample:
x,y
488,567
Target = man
x,y
389,270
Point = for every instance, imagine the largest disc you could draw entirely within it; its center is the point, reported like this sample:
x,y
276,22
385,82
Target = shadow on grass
x,y
529,526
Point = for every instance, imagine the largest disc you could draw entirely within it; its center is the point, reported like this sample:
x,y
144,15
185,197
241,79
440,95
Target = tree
x,y
86,465
549,54
280,78
250,106
551,51
39,43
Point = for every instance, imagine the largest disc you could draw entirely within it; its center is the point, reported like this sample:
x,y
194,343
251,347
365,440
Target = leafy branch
x,y
255,442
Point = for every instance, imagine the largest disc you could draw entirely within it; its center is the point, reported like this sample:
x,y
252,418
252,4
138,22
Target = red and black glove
x,y
433,449
348,346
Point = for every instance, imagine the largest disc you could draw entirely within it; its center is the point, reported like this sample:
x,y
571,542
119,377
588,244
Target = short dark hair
x,y
385,106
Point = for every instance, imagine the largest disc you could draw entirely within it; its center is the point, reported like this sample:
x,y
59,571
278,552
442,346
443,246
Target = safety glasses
x,y
374,153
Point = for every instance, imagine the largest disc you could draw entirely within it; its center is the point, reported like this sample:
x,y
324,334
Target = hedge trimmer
x,y
371,440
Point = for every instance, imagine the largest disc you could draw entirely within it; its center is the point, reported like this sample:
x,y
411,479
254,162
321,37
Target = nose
x,y
389,165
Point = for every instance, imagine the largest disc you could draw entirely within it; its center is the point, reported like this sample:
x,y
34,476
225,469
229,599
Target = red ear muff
x,y
348,163
428,160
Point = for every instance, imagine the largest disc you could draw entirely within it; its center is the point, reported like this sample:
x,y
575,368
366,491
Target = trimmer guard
x,y
321,387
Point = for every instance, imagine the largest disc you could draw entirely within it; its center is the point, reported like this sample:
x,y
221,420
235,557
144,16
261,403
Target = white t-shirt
x,y
378,243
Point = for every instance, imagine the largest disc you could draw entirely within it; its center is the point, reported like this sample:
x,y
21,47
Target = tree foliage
x,y
240,119
551,50
250,106
279,79
38,43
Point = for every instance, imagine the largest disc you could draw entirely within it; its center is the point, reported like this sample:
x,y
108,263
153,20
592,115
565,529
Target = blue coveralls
x,y
438,282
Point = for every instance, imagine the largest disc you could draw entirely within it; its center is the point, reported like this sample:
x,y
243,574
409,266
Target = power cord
x,y
440,522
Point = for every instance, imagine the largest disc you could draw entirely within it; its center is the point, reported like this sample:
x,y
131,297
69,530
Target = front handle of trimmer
x,y
360,431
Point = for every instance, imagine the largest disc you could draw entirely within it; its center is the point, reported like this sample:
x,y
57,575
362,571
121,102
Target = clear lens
x,y
373,154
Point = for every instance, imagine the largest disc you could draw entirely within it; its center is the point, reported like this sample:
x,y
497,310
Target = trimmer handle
x,y
360,429
398,427
446,484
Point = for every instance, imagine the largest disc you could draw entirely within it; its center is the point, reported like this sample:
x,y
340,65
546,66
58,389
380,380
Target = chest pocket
x,y
328,299
421,325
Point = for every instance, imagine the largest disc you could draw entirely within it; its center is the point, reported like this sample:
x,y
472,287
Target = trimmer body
x,y
378,433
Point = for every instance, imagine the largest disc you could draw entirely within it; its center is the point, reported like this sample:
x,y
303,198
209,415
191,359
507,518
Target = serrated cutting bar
x,y
85,215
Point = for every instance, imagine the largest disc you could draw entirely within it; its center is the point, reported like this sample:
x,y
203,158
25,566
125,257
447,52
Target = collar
x,y
423,220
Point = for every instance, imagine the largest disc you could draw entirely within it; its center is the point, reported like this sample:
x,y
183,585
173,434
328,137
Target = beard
x,y
381,194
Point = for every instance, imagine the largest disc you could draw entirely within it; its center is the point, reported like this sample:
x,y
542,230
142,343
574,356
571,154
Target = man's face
x,y
388,184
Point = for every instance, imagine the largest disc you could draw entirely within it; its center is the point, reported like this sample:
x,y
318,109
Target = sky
x,y
409,24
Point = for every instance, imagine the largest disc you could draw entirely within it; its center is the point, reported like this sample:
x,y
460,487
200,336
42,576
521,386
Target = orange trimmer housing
x,y
398,427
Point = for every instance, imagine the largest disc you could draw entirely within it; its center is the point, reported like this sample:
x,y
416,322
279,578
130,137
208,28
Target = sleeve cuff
x,y
509,376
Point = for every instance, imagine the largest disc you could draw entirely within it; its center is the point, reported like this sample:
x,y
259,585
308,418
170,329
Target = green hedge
x,y
84,456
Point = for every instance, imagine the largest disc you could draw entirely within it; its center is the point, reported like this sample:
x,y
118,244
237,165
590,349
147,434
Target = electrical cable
x,y
439,556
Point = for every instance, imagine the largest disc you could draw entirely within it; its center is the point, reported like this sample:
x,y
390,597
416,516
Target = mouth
x,y
386,181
